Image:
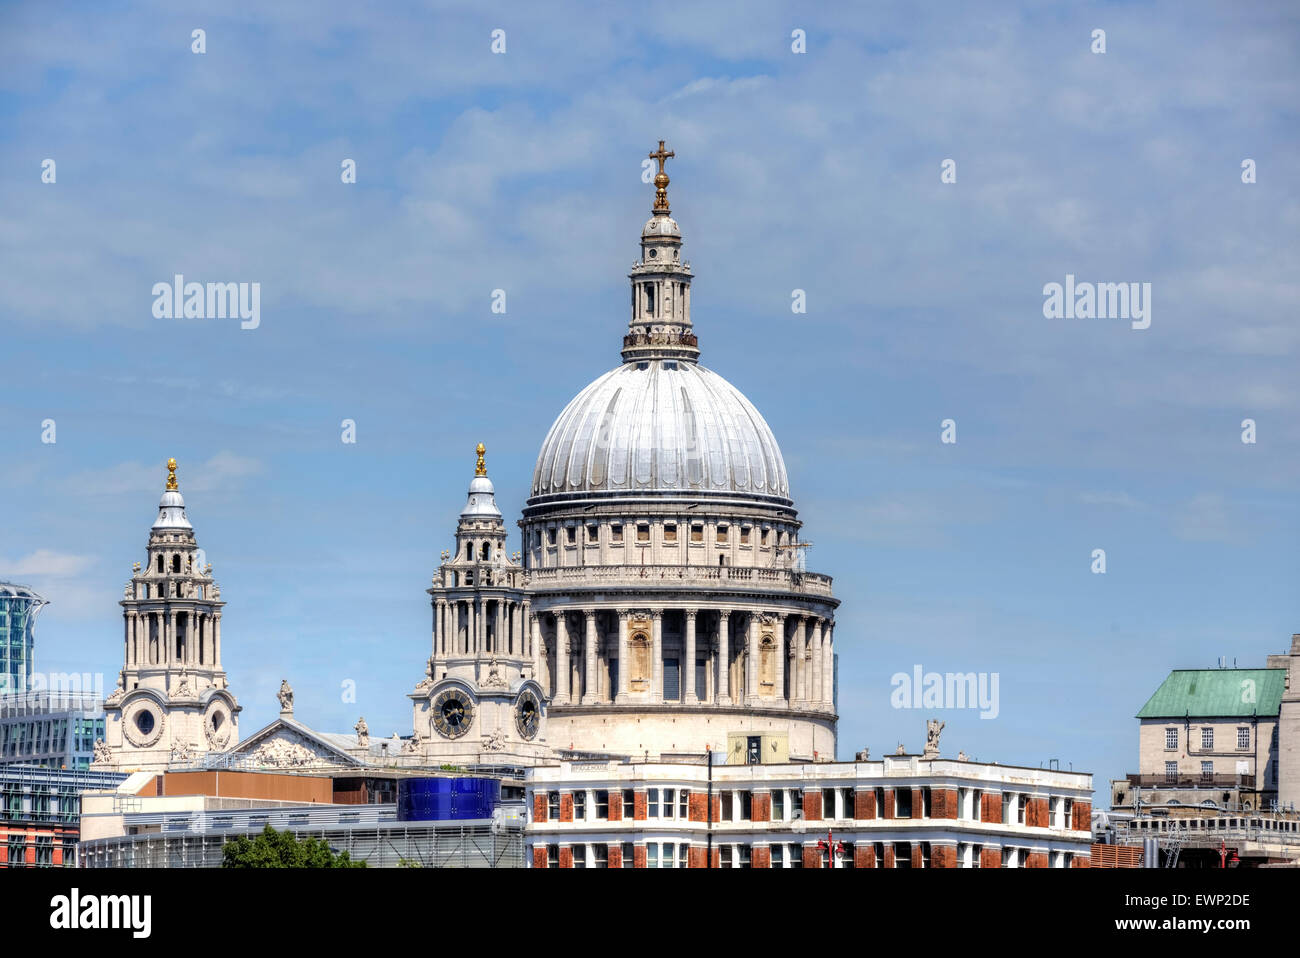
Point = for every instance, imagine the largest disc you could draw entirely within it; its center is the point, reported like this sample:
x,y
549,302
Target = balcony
x,y
721,577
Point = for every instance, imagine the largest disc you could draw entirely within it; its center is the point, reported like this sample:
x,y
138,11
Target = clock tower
x,y
480,701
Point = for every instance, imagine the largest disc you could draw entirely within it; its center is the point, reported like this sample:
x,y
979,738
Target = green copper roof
x,y
1210,693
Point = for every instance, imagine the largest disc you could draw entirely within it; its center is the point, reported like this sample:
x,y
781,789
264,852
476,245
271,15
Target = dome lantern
x,y
660,325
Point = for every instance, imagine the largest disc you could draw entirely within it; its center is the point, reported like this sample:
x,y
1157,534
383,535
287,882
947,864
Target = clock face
x,y
528,715
453,713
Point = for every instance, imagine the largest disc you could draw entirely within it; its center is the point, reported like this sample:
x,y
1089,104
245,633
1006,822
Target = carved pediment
x,y
285,748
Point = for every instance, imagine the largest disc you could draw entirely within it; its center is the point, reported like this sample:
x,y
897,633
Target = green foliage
x,y
409,863
273,849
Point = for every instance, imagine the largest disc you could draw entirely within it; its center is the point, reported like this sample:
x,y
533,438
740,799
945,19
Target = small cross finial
x,y
481,468
171,475
661,178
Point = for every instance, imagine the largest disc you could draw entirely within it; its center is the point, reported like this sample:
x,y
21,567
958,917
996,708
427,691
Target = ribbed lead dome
x,y
661,426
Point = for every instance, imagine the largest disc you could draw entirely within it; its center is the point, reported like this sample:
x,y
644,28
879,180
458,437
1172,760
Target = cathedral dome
x,y
661,427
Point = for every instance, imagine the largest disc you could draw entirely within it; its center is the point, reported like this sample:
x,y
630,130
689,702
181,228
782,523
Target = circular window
x,y
654,253
144,722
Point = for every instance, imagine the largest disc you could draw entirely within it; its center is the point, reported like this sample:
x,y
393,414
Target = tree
x,y
273,849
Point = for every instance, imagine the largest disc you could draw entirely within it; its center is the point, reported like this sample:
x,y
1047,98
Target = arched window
x,y
469,551
160,563
176,563
649,299
485,552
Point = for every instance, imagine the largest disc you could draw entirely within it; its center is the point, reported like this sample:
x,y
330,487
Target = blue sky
x,y
818,171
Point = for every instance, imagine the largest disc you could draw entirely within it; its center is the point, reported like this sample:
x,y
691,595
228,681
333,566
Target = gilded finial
x,y
661,178
171,476
481,468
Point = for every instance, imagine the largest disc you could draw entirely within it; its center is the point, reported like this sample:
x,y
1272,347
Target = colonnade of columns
x,y
580,665
151,638
480,624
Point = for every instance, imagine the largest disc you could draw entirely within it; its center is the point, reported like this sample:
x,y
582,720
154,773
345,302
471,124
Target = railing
x,y
721,576
1193,781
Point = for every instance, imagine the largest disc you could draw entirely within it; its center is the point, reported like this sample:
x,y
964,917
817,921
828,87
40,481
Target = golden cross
x,y
660,155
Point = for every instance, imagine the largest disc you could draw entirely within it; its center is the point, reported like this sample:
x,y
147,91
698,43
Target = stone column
x,y
561,659
480,633
781,697
526,650
657,683
535,645
815,672
624,665
689,693
724,658
828,665
517,641
751,661
172,657
216,640
589,696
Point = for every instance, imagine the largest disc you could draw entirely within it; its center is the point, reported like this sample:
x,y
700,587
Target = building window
x,y
602,806
1067,810
629,853
778,856
1171,738
746,805
925,802
726,807
652,803
643,532
616,532
762,538
902,855
1207,738
1171,771
670,855
652,855
593,532
697,532
1008,858
724,857
550,537
742,856
552,856
722,534
847,858
570,535
879,849
629,804
1021,805
601,857
902,803
670,802
670,532
683,804
976,853
778,804
553,806
1243,737
1207,770
744,535
579,856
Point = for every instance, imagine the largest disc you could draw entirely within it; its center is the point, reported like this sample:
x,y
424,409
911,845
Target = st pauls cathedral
x,y
659,606
655,642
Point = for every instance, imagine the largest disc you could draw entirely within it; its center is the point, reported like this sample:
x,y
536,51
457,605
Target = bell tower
x,y
480,700
171,703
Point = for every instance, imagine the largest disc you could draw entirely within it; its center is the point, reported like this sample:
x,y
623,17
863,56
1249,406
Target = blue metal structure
x,y
446,799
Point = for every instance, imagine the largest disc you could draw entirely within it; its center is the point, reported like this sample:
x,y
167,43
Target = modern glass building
x,y
19,606
50,729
